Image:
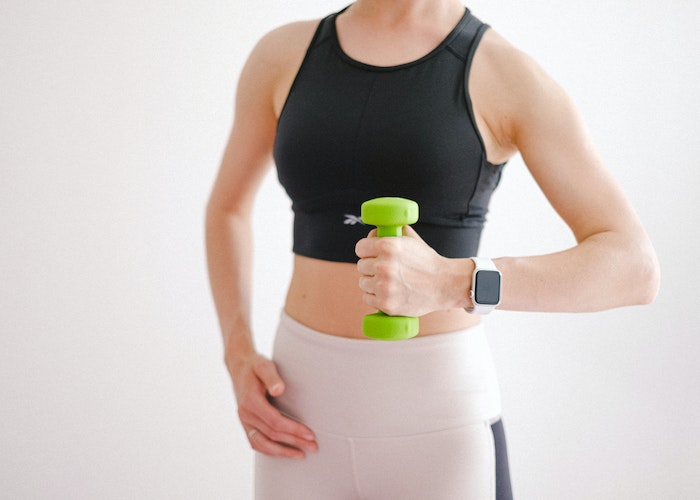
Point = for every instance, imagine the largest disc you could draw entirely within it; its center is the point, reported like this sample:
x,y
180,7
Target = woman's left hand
x,y
406,277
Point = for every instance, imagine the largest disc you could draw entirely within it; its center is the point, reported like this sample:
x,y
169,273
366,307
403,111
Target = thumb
x,y
267,373
411,233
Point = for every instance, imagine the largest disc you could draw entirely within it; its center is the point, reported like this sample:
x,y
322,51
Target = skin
x,y
518,108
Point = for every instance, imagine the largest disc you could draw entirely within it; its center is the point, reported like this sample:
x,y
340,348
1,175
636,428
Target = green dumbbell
x,y
389,215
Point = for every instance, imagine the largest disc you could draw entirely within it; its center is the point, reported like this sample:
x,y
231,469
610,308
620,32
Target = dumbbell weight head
x,y
389,214
381,326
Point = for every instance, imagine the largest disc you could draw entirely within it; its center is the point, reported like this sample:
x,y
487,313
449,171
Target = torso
x,y
325,295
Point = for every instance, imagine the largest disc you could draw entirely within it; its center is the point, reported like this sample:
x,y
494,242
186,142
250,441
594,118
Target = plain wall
x,y
113,118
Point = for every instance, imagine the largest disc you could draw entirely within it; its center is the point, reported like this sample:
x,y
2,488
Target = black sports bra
x,y
350,132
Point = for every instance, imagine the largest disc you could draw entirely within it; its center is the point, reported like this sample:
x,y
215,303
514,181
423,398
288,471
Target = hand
x,y
404,276
268,431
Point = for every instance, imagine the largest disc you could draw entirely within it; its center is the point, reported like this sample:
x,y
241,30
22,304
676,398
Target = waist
x,y
372,388
325,296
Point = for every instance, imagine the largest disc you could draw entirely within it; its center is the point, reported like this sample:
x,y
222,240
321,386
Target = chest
x,y
407,130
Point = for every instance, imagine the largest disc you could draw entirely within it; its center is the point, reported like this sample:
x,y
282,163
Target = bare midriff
x,y
326,297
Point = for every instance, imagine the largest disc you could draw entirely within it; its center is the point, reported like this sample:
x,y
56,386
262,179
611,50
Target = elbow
x,y
648,275
215,211
652,287
218,206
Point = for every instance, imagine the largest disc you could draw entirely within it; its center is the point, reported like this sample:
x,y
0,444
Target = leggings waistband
x,y
365,388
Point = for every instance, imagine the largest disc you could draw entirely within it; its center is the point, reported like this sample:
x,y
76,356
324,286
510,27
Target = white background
x,y
113,118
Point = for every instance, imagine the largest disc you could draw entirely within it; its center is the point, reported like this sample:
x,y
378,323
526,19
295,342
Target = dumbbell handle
x,y
384,231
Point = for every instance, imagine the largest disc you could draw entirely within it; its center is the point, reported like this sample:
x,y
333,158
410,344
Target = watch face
x,y
487,287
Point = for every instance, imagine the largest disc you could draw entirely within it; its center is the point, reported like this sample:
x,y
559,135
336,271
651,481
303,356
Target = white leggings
x,y
393,420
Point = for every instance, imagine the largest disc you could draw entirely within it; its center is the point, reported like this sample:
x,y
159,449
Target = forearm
x,y
229,259
604,271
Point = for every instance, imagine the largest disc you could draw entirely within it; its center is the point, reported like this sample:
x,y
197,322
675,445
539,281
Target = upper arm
x,y
532,114
263,83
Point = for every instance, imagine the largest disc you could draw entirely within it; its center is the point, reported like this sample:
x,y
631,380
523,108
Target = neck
x,y
396,11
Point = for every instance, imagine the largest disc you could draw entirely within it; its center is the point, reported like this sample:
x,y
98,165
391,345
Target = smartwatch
x,y
486,287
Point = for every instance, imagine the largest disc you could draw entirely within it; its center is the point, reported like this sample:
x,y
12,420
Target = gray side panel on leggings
x,y
504,490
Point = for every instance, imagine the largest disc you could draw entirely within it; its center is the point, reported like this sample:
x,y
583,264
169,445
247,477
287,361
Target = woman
x,y
418,99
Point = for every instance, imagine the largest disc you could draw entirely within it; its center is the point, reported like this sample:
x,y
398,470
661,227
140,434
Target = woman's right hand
x,y
269,432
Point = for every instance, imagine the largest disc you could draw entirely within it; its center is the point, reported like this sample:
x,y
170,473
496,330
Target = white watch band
x,y
481,264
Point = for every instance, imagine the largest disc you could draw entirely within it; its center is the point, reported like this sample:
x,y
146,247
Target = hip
x,y
365,388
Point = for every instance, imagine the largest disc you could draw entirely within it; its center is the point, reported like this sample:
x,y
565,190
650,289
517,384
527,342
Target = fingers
x,y
367,285
262,444
269,432
279,446
366,266
374,266
372,247
397,274
273,434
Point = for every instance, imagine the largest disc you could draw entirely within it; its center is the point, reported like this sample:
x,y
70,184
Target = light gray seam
x,y
355,472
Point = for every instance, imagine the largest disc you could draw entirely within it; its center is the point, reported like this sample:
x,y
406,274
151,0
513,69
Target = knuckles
x,y
244,414
384,270
377,247
391,308
387,247
387,298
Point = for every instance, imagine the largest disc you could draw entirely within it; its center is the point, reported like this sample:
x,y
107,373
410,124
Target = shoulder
x,y
275,49
510,86
274,61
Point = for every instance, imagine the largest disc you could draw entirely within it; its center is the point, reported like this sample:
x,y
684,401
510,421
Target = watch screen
x,y
487,289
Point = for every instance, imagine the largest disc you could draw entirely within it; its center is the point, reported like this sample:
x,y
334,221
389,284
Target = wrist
x,y
238,346
459,280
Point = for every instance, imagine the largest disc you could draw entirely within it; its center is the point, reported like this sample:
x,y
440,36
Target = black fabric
x,y
350,132
504,491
